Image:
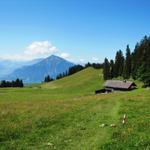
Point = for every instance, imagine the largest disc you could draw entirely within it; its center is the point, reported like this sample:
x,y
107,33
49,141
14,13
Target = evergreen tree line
x,y
16,83
94,65
135,64
48,78
73,70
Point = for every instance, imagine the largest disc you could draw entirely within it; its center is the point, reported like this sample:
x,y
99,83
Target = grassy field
x,y
66,115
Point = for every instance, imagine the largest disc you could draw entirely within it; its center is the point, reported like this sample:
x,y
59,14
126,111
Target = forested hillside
x,y
134,64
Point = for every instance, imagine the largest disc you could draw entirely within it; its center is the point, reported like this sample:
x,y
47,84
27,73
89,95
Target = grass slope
x,y
84,82
65,115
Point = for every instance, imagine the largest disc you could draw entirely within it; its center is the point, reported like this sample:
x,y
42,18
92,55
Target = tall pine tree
x,y
119,64
127,64
106,69
112,65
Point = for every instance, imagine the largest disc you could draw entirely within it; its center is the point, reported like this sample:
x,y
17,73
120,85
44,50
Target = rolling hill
x,y
91,78
65,114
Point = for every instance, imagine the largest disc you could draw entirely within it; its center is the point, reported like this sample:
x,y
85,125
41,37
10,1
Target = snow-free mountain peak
x,y
52,65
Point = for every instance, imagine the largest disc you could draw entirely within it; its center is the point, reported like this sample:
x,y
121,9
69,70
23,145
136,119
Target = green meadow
x,y
66,115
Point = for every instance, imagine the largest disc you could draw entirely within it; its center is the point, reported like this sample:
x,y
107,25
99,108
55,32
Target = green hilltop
x,y
66,115
85,82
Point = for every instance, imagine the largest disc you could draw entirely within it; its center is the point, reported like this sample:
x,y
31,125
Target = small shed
x,y
119,85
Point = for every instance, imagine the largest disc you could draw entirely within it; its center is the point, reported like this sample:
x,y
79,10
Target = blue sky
x,y
79,30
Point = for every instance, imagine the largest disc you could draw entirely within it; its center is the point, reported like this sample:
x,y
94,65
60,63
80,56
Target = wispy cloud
x,y
65,55
82,60
95,59
40,48
43,49
37,49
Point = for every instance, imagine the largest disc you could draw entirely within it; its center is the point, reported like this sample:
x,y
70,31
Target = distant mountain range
x,y
35,71
8,66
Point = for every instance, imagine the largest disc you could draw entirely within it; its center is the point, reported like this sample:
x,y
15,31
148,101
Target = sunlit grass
x,y
66,115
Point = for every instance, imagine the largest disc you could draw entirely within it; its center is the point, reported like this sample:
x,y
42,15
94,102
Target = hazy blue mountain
x,y
32,62
8,66
52,66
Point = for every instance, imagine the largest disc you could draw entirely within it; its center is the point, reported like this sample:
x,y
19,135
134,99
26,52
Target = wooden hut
x,y
119,85
116,85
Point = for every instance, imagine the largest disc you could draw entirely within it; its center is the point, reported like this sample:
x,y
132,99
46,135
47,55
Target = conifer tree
x,y
106,69
127,64
119,63
112,65
48,79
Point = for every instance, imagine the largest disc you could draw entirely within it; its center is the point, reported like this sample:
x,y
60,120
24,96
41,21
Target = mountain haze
x,y
35,73
8,66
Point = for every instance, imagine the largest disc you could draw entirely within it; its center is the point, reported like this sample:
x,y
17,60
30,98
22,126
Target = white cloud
x,y
37,49
95,59
65,55
40,48
82,60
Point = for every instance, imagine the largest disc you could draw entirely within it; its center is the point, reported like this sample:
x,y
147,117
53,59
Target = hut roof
x,y
119,84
